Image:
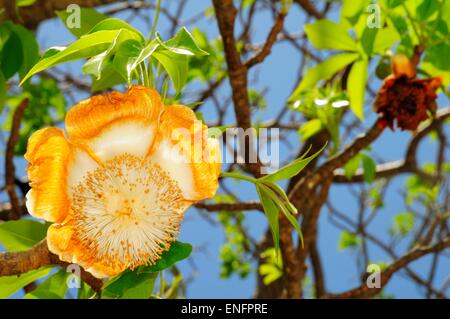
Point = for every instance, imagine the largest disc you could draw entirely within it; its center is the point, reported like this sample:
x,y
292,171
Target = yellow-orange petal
x,y
48,153
62,241
116,123
183,149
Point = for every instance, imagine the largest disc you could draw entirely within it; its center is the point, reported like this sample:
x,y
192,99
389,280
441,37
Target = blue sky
x,y
278,74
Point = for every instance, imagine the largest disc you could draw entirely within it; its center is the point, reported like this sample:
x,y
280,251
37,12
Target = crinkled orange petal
x,y
182,147
48,153
116,122
62,241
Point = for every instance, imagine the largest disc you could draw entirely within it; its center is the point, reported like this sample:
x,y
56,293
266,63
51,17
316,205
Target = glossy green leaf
x,y
323,71
30,48
385,39
21,234
116,24
11,56
54,287
176,65
130,285
10,284
88,19
183,43
271,210
124,61
356,87
426,9
291,169
87,46
325,34
177,252
108,79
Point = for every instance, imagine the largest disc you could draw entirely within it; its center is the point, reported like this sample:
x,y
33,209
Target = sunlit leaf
x,y
356,87
87,46
21,234
325,34
323,71
10,284
183,43
176,65
89,17
54,287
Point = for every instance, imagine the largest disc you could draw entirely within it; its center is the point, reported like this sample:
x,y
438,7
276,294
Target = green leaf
x,y
124,60
116,24
87,46
348,240
351,10
176,65
352,166
325,34
403,223
385,39
426,9
130,285
356,87
369,167
271,210
291,169
95,65
21,234
30,48
182,43
10,284
323,71
11,56
54,287
177,252
89,18
310,128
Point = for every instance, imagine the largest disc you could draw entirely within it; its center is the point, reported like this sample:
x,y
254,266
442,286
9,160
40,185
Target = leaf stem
x,y
155,20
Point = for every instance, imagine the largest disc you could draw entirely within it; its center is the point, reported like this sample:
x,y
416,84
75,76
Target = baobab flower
x,y
405,98
116,188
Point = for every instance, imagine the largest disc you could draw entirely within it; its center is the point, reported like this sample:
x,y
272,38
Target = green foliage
x,y
130,285
10,284
323,71
272,196
139,283
118,53
54,287
323,108
348,240
356,84
403,223
233,252
18,52
325,34
368,165
272,268
21,234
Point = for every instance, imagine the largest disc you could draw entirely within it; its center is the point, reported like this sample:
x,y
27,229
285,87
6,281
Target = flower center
x,y
127,211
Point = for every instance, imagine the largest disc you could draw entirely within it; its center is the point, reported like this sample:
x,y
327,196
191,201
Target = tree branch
x,y
10,171
16,263
271,39
231,207
365,292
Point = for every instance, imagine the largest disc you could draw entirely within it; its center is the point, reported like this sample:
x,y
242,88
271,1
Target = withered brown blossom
x,y
404,98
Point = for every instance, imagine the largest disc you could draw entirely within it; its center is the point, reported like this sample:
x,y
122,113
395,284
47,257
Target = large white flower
x,y
117,188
